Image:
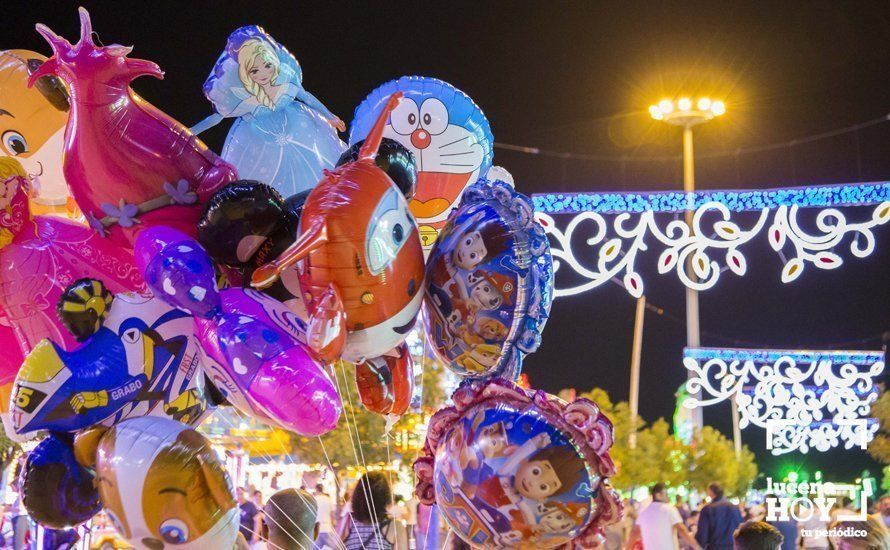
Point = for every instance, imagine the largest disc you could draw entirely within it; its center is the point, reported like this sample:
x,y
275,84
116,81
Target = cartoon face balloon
x,y
488,283
32,124
162,486
360,260
448,135
142,360
511,468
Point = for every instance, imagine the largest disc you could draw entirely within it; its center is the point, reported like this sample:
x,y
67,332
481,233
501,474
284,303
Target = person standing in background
x,y
247,511
292,516
327,538
659,524
788,528
717,521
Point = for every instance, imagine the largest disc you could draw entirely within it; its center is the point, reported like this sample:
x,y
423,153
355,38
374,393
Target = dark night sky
x,y
555,75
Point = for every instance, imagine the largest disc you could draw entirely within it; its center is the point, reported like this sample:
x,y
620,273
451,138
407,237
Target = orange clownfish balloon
x,y
360,260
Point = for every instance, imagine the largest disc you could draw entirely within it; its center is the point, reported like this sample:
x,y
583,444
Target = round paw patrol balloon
x,y
514,468
489,281
448,135
162,485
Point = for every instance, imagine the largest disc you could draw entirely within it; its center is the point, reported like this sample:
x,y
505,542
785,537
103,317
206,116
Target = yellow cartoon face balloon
x,y
162,486
32,126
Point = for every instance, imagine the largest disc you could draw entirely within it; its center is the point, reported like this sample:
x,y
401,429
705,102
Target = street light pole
x,y
687,115
693,333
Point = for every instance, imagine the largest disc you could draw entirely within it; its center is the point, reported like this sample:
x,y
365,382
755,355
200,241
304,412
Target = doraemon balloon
x,y
448,135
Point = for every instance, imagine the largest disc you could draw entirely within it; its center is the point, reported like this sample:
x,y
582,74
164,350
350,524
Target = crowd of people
x,y
370,517
719,524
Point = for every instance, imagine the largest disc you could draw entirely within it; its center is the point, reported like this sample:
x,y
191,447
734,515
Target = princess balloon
x,y
128,165
282,134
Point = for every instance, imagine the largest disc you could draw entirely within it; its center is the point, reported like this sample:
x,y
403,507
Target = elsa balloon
x,y
283,135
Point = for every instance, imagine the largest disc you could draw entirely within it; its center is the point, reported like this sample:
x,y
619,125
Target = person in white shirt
x,y
659,524
327,538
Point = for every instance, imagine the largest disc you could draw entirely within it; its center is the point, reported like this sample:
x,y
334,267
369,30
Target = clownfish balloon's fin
x,y
375,135
314,237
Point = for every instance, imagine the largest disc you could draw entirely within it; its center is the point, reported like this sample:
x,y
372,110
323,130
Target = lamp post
x,y
686,113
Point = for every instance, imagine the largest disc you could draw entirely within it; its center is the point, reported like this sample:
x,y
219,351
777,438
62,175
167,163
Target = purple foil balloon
x,y
259,360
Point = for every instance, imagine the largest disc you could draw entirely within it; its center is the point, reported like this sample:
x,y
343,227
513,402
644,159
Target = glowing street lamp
x,y
685,112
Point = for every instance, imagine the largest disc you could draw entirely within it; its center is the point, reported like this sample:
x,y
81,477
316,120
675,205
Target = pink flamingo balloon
x,y
128,164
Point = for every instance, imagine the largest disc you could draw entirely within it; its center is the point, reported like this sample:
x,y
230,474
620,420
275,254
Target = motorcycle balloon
x,y
386,384
56,490
446,132
166,487
144,347
393,158
489,284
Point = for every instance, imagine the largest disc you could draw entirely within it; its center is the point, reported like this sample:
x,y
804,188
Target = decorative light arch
x,y
711,246
804,399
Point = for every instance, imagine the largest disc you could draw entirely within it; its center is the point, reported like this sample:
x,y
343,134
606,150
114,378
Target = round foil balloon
x,y
511,468
56,490
446,132
162,486
489,281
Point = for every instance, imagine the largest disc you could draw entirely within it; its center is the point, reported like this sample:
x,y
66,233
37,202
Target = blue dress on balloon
x,y
287,146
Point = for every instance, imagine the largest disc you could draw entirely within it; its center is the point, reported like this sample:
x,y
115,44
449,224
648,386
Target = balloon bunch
x,y
190,288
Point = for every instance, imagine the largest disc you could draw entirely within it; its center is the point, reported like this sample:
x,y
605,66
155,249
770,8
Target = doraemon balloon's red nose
x,y
420,138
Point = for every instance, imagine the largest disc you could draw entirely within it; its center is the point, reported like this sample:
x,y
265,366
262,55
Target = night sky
x,y
578,77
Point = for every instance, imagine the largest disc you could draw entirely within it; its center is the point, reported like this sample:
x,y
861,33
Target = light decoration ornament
x,y
611,250
804,399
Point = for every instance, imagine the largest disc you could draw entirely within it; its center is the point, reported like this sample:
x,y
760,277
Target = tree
x,y
661,456
9,449
360,438
880,445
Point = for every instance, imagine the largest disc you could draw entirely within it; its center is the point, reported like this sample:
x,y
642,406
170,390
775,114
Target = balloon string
x,y
372,505
269,456
366,487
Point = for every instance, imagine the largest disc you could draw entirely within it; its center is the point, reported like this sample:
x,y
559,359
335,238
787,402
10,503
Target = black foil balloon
x,y
394,159
56,490
245,224
294,204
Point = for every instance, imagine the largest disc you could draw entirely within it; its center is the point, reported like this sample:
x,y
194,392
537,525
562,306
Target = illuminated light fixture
x,y
805,399
590,251
682,113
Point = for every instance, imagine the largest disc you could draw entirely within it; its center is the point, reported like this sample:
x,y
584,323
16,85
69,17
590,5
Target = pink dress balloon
x,y
39,257
125,160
